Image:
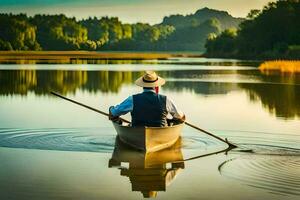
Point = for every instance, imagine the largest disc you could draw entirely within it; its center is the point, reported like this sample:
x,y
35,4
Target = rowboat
x,y
148,139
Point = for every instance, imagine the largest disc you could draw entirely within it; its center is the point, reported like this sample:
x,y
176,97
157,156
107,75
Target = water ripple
x,y
200,142
276,174
102,140
261,143
79,139
90,140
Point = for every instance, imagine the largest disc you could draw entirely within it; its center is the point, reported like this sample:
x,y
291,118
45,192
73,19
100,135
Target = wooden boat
x,y
149,139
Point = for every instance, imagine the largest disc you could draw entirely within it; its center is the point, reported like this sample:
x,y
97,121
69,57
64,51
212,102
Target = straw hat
x,y
150,79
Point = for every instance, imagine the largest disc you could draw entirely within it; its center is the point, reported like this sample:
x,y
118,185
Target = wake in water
x,y
276,174
268,161
103,140
87,140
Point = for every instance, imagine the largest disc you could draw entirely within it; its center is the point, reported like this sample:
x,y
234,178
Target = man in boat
x,y
148,108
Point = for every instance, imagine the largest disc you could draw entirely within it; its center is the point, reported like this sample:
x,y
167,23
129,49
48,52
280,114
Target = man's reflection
x,y
151,172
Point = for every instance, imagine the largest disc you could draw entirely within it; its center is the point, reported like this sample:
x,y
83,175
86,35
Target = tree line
x,y
58,32
273,32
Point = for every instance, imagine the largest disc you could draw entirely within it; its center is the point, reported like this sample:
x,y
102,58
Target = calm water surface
x,y
52,149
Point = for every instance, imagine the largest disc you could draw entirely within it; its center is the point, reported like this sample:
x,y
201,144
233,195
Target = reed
x,y
283,66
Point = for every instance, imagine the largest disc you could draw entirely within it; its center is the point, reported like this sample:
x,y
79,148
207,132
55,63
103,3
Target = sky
x,y
129,11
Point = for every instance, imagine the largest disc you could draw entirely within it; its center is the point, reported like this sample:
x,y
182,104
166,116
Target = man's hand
x,y
182,119
111,117
175,121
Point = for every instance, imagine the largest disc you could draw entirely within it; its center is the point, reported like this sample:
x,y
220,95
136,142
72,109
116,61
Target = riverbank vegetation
x,y
281,66
271,33
80,57
61,33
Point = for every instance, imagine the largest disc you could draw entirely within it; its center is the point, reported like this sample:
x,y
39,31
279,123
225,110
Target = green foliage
x,y
253,14
111,34
58,32
17,33
97,31
127,31
266,33
223,43
89,45
5,45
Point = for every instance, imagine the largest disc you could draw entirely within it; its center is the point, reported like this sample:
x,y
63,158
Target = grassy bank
x,y
284,66
68,56
62,55
84,57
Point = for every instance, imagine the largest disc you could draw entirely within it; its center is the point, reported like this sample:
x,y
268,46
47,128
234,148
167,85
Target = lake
x,y
53,149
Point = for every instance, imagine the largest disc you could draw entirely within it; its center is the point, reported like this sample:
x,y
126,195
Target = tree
x,y
17,33
222,45
4,45
266,33
253,14
57,32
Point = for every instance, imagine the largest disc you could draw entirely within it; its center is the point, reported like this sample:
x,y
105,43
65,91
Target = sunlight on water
x,y
71,150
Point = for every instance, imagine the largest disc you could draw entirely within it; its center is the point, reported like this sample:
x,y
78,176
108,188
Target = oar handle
x,y
88,107
210,134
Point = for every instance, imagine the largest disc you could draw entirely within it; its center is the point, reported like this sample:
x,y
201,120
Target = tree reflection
x,y
67,60
41,82
278,93
204,88
108,81
281,100
64,81
17,82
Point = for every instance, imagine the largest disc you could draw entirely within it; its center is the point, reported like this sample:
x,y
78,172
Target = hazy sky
x,y
151,11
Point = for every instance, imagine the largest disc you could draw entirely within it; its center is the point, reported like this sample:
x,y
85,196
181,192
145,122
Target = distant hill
x,y
191,31
200,16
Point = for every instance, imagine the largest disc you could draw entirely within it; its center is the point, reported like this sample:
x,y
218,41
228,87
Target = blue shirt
x,y
127,106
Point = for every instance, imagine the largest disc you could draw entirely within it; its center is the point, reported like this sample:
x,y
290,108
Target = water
x,y
52,149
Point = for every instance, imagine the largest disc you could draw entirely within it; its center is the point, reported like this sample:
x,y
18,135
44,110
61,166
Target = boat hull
x,y
149,139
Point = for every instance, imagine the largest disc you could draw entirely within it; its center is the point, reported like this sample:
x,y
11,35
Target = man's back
x,y
149,109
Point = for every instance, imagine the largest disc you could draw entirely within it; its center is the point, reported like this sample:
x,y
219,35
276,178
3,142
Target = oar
x,y
124,120
88,107
212,135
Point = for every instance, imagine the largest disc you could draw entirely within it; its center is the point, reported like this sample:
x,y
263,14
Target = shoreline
x,y
251,57
89,55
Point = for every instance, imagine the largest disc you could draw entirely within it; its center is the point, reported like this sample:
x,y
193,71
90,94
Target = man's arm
x,y
174,111
121,109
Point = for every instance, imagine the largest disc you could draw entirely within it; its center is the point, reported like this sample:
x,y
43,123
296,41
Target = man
x,y
148,108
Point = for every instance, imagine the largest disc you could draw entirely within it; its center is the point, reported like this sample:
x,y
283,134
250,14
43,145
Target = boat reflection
x,y
148,172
